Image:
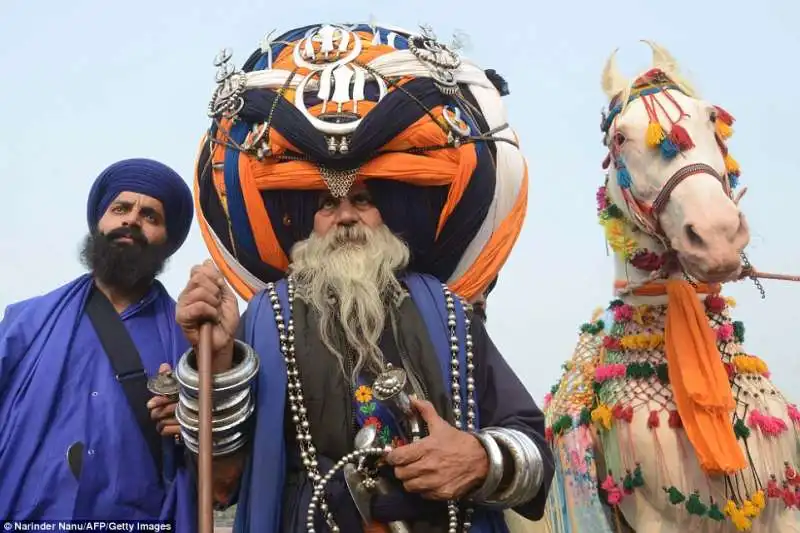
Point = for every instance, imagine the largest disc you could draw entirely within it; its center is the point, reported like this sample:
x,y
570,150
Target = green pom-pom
x,y
695,506
562,424
614,212
586,417
715,514
554,389
615,303
646,370
675,496
741,430
638,479
627,482
738,331
662,373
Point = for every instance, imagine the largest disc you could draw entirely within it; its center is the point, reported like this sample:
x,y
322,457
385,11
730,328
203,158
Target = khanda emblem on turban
x,y
324,52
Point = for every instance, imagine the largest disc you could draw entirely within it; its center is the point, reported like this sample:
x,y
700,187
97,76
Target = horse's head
x,y
670,172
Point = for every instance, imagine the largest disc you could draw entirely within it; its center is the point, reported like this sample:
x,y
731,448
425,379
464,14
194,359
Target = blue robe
x,y
57,388
260,492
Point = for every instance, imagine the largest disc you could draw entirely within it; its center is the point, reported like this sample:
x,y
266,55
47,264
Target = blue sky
x,y
86,83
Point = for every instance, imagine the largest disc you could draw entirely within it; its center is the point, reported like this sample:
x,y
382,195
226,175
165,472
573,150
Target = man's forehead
x,y
142,200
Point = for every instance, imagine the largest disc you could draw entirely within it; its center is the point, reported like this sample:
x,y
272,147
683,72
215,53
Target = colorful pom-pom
x,y
654,135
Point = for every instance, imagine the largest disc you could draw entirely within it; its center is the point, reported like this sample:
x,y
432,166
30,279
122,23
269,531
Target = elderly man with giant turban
x,y
76,439
361,187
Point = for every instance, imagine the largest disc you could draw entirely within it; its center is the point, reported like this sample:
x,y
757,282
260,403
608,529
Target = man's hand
x,y
207,298
162,410
445,465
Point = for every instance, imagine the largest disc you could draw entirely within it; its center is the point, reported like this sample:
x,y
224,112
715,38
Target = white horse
x,y
661,421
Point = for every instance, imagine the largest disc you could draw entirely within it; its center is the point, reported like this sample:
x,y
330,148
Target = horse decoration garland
x,y
662,421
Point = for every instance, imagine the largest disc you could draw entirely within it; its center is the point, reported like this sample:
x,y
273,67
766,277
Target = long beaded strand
x,y
299,413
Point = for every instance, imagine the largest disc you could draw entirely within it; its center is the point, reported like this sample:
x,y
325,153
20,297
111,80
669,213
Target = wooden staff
x,y
206,508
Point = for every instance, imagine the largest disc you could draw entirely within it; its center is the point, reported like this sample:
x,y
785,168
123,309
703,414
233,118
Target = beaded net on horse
x,y
323,106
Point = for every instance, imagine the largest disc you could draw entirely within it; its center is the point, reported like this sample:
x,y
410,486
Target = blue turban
x,y
154,179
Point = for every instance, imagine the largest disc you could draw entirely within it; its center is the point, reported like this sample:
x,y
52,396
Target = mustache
x,y
132,232
355,234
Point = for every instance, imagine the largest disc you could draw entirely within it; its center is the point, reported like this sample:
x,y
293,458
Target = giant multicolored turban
x,y
324,105
152,178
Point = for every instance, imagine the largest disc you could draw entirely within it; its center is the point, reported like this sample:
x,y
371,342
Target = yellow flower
x,y
363,394
618,238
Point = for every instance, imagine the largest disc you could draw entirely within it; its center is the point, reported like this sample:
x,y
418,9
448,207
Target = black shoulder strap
x,y
127,365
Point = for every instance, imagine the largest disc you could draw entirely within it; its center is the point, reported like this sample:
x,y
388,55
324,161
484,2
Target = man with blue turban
x,y
77,440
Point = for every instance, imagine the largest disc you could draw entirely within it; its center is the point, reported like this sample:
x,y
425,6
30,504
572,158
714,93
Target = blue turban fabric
x,y
154,179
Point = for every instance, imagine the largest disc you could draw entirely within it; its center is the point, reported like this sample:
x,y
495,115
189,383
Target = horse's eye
x,y
619,139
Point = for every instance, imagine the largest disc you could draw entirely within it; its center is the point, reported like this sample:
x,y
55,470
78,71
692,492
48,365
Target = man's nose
x,y
131,218
346,214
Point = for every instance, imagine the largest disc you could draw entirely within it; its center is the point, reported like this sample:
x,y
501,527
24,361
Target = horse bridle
x,y
648,216
660,203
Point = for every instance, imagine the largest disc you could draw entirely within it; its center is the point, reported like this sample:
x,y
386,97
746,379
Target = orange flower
x,y
363,394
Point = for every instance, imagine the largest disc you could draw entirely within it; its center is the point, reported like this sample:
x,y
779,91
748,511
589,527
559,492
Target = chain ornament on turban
x,y
323,106
154,179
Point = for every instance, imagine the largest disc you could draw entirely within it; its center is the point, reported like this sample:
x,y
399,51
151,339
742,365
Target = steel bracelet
x,y
514,494
222,425
534,460
495,473
219,448
237,378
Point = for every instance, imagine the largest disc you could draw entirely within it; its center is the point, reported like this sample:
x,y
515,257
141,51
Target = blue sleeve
x,y
13,340
505,402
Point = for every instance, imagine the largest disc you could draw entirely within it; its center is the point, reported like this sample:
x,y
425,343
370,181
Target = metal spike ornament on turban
x,y
325,105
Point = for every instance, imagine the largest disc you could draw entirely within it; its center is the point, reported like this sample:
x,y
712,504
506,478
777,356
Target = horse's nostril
x,y
692,235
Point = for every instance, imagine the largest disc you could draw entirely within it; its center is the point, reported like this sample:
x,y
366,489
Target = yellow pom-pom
x,y
655,134
759,500
730,508
748,509
723,130
731,165
741,522
602,415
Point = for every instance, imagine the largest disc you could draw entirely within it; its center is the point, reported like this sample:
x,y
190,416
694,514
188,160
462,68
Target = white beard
x,y
349,277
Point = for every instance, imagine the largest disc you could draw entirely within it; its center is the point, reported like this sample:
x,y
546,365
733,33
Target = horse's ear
x,y
662,59
613,81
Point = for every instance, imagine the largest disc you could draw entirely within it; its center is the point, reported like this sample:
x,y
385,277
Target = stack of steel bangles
x,y
502,488
232,401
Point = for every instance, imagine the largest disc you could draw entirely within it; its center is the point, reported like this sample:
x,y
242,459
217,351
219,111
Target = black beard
x,y
126,267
